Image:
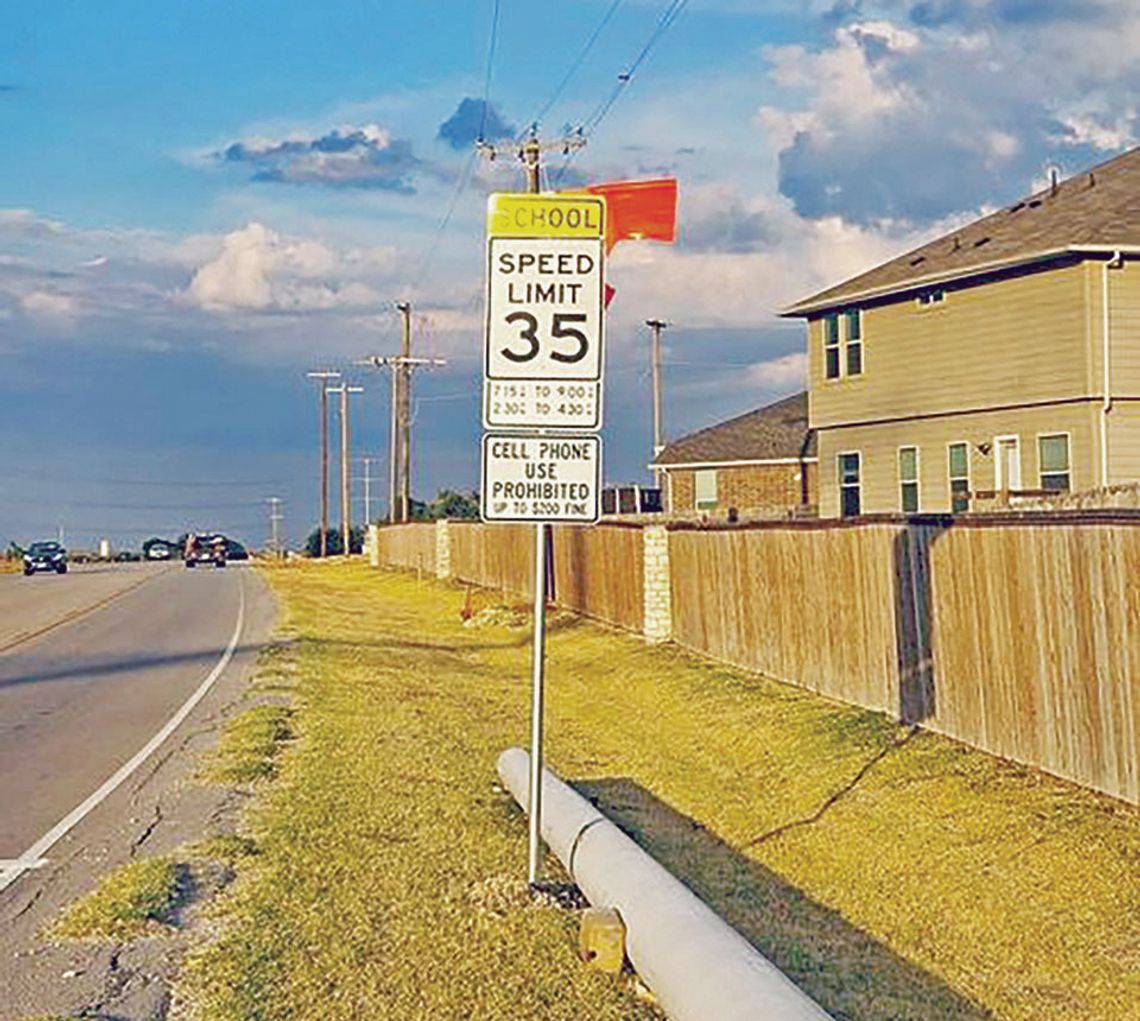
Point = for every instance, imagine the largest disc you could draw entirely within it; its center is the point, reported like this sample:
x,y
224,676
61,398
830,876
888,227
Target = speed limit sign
x,y
545,297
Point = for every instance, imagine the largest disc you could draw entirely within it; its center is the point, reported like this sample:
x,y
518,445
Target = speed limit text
x,y
533,292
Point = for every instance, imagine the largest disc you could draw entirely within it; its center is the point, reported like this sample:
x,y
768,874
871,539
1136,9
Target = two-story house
x,y
1003,357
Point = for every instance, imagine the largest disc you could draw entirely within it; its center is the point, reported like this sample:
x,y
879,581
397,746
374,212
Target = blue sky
x,y
201,200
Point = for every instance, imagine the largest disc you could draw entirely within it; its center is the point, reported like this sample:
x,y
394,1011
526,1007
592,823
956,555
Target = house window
x,y
849,484
854,322
959,458
704,488
1054,460
934,297
908,479
831,346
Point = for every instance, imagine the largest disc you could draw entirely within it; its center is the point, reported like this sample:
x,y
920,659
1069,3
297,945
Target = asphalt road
x,y
81,698
29,605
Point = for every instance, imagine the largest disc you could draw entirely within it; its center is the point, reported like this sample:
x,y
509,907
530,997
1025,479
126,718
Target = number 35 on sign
x,y
544,343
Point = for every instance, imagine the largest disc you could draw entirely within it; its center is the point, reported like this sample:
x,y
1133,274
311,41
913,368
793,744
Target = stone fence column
x,y
372,545
658,591
442,549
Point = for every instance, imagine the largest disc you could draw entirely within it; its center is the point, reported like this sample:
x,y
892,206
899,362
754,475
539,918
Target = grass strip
x,y
136,899
890,874
248,746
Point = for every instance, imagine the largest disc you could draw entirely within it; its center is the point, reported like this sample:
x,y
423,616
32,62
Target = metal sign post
x,y
542,393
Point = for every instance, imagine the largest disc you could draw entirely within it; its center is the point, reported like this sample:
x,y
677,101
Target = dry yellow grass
x,y
133,900
891,875
248,746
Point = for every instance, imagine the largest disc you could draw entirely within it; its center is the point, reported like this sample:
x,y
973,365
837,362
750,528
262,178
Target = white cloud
x,y
49,306
960,107
787,258
787,372
258,270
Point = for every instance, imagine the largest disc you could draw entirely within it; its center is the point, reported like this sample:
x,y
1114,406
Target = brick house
x,y
763,461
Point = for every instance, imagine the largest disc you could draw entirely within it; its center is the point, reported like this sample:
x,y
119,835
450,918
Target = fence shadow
x,y
847,971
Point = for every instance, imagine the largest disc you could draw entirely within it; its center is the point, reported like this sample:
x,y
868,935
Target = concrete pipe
x,y
698,966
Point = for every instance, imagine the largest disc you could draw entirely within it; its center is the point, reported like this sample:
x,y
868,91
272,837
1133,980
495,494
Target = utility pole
x,y
656,325
345,464
404,413
367,491
322,376
401,366
274,524
530,153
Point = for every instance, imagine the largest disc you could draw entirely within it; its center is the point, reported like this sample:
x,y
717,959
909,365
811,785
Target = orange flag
x,y
637,210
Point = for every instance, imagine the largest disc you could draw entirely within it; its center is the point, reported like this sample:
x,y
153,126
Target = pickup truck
x,y
204,549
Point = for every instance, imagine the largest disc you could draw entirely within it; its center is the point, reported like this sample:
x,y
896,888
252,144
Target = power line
x,y
469,166
98,505
460,187
492,42
573,69
666,21
173,484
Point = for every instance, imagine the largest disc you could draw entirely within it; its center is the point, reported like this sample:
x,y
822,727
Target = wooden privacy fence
x,y
411,546
599,572
495,557
1018,634
811,605
1035,644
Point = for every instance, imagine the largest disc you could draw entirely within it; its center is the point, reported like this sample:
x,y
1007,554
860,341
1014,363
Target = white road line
x,y
12,869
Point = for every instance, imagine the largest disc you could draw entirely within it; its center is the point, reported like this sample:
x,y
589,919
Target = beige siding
x,y
878,445
1124,442
1124,316
1012,341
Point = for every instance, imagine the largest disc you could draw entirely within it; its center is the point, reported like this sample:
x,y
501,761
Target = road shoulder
x,y
159,810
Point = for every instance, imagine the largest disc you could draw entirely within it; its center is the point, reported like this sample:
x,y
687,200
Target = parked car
x,y
235,550
45,556
159,549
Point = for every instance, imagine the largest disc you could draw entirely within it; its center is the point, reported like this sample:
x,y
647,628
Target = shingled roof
x,y
776,432
1095,210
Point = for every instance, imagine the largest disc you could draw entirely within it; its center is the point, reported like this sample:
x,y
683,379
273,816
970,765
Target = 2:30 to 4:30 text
x,y
540,408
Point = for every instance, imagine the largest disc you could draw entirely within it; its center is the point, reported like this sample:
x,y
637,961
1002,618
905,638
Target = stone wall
x,y
658,625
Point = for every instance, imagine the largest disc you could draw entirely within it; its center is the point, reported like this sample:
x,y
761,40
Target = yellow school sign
x,y
520,215
543,352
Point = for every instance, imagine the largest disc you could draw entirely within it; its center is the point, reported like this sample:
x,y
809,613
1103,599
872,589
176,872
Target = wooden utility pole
x,y
345,464
405,413
367,491
322,376
656,325
274,524
401,367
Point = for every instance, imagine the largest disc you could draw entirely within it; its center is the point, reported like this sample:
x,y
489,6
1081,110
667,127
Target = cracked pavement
x,y
77,702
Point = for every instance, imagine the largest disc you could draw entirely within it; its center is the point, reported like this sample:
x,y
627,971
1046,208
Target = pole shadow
x,y
848,972
914,619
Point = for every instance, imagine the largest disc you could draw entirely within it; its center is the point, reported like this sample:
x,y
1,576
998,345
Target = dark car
x,y
45,556
235,550
159,549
